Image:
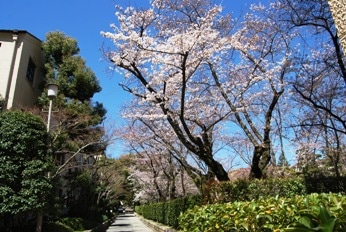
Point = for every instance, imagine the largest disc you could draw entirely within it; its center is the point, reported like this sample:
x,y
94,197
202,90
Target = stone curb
x,y
157,227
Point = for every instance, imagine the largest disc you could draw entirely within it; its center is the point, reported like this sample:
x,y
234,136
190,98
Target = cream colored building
x,y
338,9
21,62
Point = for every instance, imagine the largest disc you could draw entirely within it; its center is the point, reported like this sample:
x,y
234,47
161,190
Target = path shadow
x,y
125,215
119,225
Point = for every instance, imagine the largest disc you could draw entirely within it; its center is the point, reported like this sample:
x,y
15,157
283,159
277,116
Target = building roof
x,y
19,32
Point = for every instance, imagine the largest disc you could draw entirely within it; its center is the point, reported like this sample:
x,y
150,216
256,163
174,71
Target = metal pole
x,y
49,114
39,219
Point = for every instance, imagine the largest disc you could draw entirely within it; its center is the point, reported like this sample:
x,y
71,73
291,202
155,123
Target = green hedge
x,y
167,213
265,214
322,184
254,205
246,190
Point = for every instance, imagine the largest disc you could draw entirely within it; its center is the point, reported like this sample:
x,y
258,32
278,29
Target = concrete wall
x,y
17,48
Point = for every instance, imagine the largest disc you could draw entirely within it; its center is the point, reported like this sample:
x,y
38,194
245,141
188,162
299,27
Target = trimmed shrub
x,y
245,190
168,212
242,190
265,214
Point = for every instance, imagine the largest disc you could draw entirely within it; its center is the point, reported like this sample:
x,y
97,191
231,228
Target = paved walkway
x,y
128,223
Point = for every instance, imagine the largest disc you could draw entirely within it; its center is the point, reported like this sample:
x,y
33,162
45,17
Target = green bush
x,y
323,221
104,218
56,227
73,222
246,190
265,214
321,184
167,213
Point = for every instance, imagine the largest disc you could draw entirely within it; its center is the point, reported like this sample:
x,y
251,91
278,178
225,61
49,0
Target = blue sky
x,y
83,20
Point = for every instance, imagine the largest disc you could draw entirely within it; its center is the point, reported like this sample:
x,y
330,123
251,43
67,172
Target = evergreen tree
x,y
24,164
76,131
78,119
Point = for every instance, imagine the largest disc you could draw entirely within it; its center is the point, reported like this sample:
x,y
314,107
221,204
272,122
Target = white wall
x,y
15,52
6,55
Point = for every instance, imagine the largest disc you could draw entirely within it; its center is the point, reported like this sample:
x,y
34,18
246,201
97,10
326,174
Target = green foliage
x,y
246,190
73,223
324,222
67,69
321,183
56,227
76,223
77,130
24,162
168,212
265,214
84,183
77,117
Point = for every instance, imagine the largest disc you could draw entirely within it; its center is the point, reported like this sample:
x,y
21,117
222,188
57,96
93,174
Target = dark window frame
x,y
30,71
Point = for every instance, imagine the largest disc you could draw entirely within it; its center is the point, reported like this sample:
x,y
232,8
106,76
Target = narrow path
x,y
128,223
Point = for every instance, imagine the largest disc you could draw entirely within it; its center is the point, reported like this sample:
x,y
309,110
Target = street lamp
x,y
52,93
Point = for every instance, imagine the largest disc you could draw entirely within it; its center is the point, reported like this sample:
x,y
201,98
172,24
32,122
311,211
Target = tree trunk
x,y
217,169
8,218
39,222
182,176
260,160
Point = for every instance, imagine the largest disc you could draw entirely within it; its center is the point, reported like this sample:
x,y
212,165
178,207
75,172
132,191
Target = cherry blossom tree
x,y
164,64
194,70
115,183
204,70
161,169
254,81
319,82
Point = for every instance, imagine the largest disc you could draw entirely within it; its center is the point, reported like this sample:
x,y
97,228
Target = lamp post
x,y
52,93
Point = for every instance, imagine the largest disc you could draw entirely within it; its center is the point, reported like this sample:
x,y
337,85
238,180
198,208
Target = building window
x,y
30,72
